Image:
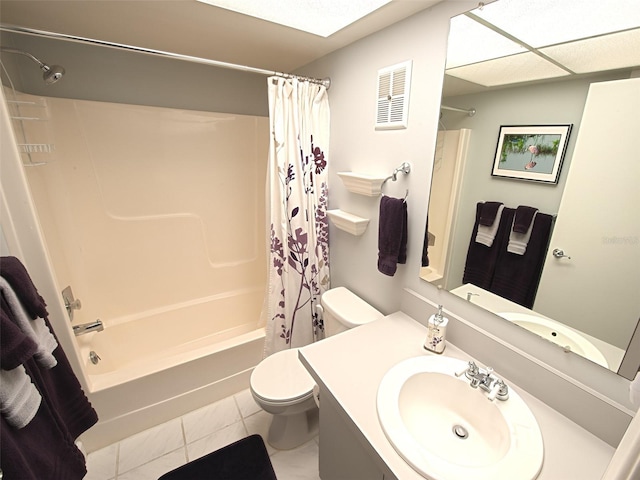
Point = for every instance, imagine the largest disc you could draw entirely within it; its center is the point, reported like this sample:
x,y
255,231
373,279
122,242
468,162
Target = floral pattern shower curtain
x,y
297,195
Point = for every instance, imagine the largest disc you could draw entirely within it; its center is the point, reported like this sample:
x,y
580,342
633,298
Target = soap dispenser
x,y
436,332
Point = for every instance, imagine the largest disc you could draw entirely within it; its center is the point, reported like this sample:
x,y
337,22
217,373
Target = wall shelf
x,y
348,222
30,116
362,183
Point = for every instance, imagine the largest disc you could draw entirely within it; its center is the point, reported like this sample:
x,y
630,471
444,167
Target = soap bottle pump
x,y
436,332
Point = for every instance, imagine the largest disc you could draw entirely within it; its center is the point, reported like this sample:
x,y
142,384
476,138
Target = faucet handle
x,y
471,294
499,391
470,370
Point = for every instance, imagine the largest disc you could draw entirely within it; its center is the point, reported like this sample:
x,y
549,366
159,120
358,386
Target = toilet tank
x,y
343,310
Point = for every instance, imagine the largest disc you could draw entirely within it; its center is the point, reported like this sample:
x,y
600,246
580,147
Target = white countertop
x,y
350,366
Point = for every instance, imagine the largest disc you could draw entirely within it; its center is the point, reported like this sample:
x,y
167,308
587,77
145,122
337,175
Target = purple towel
x,y
44,448
15,347
392,234
481,259
14,272
523,218
488,213
516,277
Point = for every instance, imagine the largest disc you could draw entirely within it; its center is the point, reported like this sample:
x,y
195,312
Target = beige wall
x,y
147,207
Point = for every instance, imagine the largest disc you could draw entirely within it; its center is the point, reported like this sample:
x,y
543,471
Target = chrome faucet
x,y
70,302
486,380
84,328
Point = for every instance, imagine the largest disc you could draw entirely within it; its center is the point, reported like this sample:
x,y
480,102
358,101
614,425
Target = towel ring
x,y
406,194
404,168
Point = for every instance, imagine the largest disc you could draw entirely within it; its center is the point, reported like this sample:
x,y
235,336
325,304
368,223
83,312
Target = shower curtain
x,y
297,199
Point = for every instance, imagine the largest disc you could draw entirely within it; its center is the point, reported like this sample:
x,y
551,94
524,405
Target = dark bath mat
x,y
241,460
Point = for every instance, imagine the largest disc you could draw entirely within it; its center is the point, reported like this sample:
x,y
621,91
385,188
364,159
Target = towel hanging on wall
x,y
520,234
41,444
392,234
488,223
517,276
481,259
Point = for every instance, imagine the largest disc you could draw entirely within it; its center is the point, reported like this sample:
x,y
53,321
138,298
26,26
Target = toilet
x,y
280,385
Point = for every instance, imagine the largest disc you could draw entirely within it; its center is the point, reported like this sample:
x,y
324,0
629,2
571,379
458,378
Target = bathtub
x,y
161,364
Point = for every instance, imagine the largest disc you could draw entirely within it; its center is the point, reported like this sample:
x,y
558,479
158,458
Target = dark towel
x,y
524,216
488,213
39,451
15,347
425,246
392,234
516,277
481,260
45,447
402,253
242,460
13,271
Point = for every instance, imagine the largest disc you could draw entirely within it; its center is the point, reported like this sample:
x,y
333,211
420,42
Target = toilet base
x,y
290,431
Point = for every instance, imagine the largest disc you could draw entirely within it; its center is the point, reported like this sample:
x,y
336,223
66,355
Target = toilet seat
x,y
280,379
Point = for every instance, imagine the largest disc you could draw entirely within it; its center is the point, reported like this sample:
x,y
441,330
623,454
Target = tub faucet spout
x,y
84,328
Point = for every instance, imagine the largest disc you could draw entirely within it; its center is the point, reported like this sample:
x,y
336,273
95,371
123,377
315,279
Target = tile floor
x,y
149,454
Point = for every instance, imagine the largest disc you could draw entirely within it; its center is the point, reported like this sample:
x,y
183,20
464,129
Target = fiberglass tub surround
x,y
155,217
146,208
131,350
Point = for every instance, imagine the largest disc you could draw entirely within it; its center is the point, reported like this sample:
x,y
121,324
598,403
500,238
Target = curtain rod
x,y
216,63
471,112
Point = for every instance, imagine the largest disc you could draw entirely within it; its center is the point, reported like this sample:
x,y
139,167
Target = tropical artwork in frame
x,y
531,152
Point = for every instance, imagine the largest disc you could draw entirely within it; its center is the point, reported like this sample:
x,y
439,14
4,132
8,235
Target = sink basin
x,y
558,334
447,430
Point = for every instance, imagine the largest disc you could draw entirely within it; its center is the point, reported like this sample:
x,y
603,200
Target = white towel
x,y
518,241
36,329
19,397
487,234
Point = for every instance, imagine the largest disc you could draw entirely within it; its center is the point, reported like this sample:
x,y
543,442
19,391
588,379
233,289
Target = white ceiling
x,y
515,41
189,27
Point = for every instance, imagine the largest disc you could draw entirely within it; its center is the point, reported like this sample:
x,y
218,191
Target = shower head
x,y
51,73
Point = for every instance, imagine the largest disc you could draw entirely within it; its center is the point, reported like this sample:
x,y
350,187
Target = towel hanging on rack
x,y
392,235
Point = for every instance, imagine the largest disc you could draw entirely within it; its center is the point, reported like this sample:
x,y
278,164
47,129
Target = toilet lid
x,y
281,377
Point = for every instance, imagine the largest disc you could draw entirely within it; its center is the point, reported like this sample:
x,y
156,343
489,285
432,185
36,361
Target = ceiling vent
x,y
392,100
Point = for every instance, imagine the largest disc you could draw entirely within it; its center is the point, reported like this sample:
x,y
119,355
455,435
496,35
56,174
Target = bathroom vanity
x,y
348,369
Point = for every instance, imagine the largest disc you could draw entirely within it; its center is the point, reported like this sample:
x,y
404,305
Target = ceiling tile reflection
x,y
523,67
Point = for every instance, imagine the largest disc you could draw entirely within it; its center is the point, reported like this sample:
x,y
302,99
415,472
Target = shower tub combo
x,y
169,362
142,218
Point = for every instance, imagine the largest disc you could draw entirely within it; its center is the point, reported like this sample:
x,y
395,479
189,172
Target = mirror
x,y
505,71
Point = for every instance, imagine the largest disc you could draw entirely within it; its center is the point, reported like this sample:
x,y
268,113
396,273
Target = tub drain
x,y
94,357
460,431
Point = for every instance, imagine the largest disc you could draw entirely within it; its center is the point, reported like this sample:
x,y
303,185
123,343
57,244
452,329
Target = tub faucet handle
x,y
70,302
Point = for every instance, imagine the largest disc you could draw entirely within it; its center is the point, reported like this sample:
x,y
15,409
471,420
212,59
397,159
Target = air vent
x,y
392,101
